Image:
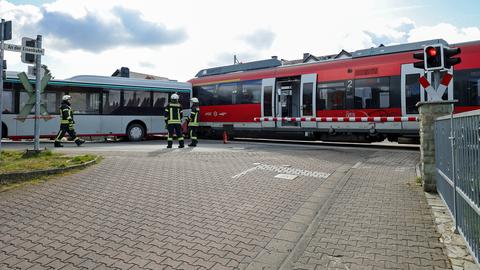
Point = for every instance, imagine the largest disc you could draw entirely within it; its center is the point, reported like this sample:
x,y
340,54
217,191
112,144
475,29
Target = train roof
x,y
271,63
93,80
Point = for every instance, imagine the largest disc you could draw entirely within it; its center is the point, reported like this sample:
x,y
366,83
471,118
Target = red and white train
x,y
330,98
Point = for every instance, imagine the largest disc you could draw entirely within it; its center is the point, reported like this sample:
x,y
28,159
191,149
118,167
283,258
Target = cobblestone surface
x,y
208,209
161,209
379,220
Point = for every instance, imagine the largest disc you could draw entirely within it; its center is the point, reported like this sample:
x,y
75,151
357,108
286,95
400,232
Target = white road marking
x,y
357,165
244,172
286,176
284,170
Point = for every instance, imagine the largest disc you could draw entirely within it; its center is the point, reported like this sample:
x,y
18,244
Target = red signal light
x,y
431,51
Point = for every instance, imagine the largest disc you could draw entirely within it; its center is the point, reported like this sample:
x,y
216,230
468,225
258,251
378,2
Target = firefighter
x,y
173,120
193,122
66,123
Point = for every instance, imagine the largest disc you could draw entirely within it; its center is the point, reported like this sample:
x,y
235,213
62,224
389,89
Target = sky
x,y
176,39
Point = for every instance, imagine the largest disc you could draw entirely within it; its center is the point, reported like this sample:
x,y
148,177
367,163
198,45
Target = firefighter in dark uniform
x,y
173,120
193,122
66,123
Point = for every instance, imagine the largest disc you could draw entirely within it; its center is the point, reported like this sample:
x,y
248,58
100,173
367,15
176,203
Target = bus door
x,y
267,100
307,98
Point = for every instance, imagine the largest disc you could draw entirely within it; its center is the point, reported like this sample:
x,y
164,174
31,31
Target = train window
x,y
307,99
267,100
207,94
249,93
331,96
395,95
372,93
227,93
467,87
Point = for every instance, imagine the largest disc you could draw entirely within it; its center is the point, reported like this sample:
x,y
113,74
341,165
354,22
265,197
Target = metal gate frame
x,y
457,158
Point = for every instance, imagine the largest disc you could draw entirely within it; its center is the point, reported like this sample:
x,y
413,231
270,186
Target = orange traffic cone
x,y
225,137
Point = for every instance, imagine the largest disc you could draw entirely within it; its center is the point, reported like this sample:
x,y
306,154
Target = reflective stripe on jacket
x,y
193,119
173,113
66,114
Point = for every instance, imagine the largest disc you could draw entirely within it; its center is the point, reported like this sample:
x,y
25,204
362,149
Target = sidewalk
x,y
379,219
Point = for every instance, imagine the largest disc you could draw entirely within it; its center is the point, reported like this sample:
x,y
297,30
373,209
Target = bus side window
x,y
160,100
111,101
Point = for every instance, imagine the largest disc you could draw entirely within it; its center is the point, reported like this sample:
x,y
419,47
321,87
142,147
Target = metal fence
x,y
457,156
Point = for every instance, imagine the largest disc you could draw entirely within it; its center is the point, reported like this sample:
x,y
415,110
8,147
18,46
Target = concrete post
x,y
429,111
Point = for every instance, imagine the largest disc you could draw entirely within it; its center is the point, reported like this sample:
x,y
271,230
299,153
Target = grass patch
x,y
418,180
18,161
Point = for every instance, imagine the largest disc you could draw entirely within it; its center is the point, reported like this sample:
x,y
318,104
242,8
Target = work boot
x,y
193,143
169,145
57,144
79,142
181,144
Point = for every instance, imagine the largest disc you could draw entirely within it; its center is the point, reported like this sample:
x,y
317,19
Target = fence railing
x,y
457,157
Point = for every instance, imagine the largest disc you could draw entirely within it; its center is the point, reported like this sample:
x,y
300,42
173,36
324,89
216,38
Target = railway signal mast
x,y
436,59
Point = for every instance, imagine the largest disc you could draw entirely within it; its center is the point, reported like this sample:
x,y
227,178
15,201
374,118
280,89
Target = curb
x,y
455,247
15,177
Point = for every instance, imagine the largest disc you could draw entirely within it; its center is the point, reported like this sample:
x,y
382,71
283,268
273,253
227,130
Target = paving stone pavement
x,y
378,220
184,209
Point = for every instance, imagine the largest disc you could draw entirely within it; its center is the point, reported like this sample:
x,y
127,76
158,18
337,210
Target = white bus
x,y
102,106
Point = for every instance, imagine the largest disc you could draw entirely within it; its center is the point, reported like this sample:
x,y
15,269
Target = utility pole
x,y
38,66
1,81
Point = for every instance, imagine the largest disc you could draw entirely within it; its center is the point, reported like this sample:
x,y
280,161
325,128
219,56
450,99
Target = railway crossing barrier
x,y
380,119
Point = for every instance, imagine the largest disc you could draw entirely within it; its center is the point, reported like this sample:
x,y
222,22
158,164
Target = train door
x,y
267,100
411,90
307,98
288,100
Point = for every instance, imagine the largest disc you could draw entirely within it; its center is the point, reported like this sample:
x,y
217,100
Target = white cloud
x,y
450,33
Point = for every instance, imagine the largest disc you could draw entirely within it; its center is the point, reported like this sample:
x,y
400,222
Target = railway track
x,y
378,145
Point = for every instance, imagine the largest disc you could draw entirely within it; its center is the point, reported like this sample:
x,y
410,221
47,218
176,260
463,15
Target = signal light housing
x,y
447,55
434,57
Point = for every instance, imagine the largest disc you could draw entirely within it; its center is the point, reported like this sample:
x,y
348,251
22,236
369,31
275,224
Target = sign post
x,y
38,65
32,53
5,34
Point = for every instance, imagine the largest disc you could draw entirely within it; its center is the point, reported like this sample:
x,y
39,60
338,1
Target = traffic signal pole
x,y
38,66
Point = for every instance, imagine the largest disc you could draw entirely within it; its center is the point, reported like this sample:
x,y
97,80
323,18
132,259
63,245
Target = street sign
x,y
27,108
7,30
23,49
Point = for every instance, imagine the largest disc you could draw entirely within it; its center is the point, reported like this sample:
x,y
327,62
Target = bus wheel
x,y
135,132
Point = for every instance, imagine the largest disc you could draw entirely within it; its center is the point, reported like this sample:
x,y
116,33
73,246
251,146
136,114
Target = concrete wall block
x,y
428,113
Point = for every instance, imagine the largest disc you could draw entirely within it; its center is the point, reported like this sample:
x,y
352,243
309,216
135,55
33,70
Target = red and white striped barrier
x,y
380,119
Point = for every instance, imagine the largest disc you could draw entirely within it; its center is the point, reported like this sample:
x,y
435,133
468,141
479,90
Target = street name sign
x,y
24,49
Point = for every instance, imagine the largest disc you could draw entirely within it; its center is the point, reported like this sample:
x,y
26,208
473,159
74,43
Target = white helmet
x,y
194,100
174,97
67,97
